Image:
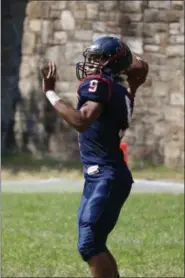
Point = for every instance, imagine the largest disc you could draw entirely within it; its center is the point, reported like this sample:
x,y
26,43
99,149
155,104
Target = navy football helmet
x,y
107,54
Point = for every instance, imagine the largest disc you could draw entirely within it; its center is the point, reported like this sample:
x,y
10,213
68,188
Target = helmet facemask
x,y
93,64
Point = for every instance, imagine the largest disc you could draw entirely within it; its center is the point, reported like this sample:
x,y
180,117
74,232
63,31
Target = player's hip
x,y
104,194
119,173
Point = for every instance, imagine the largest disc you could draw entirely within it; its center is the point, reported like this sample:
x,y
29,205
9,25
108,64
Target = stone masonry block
x,y
74,52
131,6
179,5
155,15
58,5
175,50
60,37
136,44
83,35
33,9
92,10
35,25
160,88
67,20
108,5
28,43
152,48
159,4
177,98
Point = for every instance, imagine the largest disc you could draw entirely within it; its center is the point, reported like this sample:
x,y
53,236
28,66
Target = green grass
x,y
24,166
39,236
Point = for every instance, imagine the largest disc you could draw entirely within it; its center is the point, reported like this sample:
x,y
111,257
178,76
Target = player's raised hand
x,y
49,77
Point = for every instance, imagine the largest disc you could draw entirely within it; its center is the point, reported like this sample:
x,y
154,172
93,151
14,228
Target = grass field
x,y
39,236
24,166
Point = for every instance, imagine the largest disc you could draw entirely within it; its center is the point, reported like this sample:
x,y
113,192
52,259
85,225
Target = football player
x,y
104,109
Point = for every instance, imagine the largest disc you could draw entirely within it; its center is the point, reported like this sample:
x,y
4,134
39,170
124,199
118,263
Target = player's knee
x,y
88,249
83,249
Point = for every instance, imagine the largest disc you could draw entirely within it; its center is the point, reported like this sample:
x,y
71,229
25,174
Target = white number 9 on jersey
x,y
93,84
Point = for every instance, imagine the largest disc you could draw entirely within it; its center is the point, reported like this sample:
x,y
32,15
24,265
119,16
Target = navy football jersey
x,y
100,142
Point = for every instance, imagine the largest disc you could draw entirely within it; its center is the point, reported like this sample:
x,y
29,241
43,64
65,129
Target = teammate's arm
x,y
78,119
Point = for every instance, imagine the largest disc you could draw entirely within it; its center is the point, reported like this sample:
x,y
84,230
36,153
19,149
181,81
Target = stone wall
x,y
61,30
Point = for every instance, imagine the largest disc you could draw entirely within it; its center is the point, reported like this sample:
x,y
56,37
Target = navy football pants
x,y
103,197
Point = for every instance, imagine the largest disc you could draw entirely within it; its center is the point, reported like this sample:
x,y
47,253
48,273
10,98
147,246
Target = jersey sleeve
x,y
95,89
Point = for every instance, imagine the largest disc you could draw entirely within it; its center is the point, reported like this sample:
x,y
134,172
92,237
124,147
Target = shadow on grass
x,y
25,162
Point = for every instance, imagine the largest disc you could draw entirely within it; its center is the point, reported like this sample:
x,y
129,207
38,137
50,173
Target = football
x,y
136,73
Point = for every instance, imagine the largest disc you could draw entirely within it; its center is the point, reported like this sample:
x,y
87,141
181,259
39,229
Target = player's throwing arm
x,y
78,119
